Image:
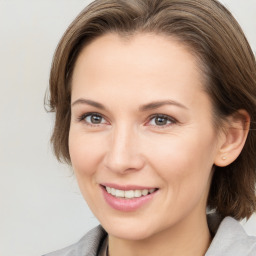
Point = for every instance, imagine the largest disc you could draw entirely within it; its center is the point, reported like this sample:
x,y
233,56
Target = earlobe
x,y
233,138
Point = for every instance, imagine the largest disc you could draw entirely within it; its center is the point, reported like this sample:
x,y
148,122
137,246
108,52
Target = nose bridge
x,y
123,152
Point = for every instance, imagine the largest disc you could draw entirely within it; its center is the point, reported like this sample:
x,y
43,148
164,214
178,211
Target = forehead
x,y
147,62
150,49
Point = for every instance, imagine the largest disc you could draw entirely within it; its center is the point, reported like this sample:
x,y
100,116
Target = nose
x,y
123,154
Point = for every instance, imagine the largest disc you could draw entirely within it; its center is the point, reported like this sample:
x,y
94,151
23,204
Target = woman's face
x,y
141,129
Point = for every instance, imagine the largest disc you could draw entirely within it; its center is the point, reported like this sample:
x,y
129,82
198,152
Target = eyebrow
x,y
150,106
88,102
158,104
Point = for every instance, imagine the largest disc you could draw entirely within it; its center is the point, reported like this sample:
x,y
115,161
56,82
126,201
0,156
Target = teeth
x,y
119,193
144,192
129,193
137,193
113,192
151,190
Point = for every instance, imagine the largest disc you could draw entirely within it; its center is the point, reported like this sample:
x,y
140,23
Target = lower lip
x,y
127,205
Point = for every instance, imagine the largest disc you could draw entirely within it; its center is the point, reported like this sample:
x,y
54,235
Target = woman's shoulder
x,y
230,238
87,245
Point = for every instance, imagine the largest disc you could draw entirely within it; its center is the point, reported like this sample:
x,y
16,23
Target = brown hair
x,y
214,36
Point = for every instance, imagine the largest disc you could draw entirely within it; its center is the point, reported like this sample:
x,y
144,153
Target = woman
x,y
155,104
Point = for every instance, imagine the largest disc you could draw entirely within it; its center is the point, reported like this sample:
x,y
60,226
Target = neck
x,y
187,238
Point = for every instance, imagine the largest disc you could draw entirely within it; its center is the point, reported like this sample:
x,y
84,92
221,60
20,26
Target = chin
x,y
133,234
129,231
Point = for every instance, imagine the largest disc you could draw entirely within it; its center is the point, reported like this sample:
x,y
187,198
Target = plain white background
x,y
41,208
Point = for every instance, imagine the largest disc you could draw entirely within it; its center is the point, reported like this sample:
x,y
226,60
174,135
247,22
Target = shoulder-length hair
x,y
224,56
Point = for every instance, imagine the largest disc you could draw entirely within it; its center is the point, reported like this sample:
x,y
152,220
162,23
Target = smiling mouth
x,y
129,194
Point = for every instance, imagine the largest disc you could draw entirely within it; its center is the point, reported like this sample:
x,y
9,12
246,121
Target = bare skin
x,y
140,117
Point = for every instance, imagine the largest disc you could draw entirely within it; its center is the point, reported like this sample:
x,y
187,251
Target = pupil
x,y
96,119
161,121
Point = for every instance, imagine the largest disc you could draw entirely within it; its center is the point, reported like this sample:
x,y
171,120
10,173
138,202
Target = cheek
x,y
186,173
184,162
85,152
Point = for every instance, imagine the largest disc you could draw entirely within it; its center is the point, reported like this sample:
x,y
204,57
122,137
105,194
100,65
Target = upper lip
x,y
126,187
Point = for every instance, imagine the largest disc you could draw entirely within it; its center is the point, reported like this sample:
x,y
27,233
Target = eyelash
x,y
166,117
84,116
152,117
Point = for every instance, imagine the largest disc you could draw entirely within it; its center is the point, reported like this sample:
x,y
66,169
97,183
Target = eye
x,y
161,120
93,119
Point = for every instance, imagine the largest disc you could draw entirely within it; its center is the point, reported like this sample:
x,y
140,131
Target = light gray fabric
x,y
88,245
230,239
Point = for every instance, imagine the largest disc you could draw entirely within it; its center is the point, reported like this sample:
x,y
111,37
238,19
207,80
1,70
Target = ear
x,y
233,138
